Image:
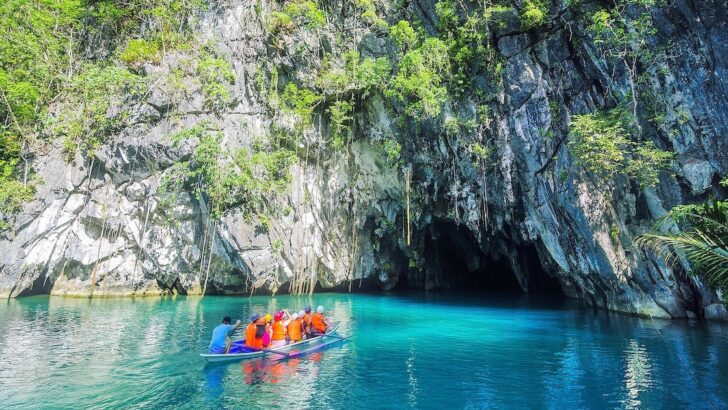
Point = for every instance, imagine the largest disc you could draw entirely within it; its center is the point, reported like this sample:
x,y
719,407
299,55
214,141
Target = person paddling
x,y
220,342
319,323
254,333
294,329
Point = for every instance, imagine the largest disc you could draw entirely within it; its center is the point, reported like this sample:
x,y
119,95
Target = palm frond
x,y
704,242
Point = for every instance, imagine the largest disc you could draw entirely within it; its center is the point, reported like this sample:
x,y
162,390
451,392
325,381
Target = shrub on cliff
x,y
701,236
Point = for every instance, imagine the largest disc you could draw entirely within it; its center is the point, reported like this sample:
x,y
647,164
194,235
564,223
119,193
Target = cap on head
x,y
278,316
301,314
226,319
254,317
294,316
308,308
268,317
320,309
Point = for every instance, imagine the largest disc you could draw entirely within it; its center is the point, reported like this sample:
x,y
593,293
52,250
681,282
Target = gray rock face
x,y
103,226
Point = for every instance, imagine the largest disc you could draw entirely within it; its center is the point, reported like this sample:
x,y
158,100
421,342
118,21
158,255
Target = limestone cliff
x,y
102,225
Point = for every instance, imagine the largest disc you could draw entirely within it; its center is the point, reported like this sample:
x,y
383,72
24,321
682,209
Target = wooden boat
x,y
238,350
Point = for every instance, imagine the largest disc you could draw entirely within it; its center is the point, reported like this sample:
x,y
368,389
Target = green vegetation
x,y
419,83
36,38
213,74
369,14
702,238
301,102
86,119
297,13
393,150
534,13
362,76
600,144
140,51
622,33
340,123
224,179
41,61
468,46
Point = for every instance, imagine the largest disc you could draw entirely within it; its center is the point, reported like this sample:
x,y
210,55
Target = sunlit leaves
x,y
600,143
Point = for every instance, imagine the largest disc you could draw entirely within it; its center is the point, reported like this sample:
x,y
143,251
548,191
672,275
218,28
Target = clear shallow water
x,y
413,351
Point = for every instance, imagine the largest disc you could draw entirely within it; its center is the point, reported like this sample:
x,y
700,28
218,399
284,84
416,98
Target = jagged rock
x,y
103,226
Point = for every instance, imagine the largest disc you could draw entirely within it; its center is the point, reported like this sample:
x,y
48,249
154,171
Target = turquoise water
x,y
408,351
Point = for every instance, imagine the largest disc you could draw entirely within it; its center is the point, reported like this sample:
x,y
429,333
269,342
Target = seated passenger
x,y
267,323
304,325
306,318
220,342
278,336
253,335
319,324
295,329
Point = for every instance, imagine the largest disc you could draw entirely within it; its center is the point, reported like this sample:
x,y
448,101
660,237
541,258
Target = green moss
x,y
13,194
404,35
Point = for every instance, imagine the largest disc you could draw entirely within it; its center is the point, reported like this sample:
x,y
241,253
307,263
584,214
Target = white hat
x,y
294,316
320,309
301,313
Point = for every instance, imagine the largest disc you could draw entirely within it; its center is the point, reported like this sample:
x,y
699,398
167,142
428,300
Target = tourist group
x,y
273,331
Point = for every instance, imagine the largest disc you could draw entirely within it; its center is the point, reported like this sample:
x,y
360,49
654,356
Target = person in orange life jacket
x,y
294,329
254,333
278,335
220,342
306,319
319,324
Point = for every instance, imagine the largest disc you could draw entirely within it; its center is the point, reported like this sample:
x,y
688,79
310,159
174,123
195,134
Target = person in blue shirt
x,y
220,342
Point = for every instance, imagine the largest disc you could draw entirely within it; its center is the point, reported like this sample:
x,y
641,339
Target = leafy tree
x,y
600,143
534,13
420,79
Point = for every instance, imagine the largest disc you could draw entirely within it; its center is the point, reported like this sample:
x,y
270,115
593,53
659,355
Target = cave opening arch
x,y
453,259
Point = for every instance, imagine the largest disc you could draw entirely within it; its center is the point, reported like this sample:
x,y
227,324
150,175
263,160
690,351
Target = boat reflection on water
x,y
271,370
268,371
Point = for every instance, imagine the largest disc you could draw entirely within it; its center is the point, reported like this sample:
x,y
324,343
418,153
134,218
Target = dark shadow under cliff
x,y
454,260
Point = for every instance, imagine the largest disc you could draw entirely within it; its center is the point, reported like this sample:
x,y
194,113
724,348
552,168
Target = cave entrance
x,y
453,260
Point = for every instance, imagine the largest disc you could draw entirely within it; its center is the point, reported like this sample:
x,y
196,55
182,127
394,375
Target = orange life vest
x,y
278,332
318,322
250,339
294,330
307,319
